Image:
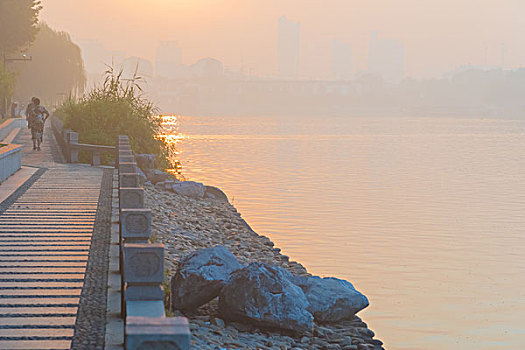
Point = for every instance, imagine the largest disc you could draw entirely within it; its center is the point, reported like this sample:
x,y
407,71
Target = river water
x,y
425,216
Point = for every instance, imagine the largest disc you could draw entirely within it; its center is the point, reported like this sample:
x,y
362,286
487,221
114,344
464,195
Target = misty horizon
x,y
436,39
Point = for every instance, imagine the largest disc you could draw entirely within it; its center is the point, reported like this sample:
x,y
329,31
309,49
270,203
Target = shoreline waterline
x,y
185,224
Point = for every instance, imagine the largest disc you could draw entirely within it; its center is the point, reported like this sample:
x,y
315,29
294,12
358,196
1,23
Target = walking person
x,y
29,111
37,119
14,109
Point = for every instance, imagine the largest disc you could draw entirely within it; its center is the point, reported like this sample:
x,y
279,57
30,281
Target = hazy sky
x,y
438,35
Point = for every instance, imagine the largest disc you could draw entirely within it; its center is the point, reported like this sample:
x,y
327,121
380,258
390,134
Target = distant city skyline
x,y
342,60
288,48
438,36
168,58
386,58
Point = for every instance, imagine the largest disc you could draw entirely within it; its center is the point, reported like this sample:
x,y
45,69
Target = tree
x,y
56,71
18,23
18,27
6,87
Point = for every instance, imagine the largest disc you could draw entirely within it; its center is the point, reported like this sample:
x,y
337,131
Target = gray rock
x,y
265,296
331,299
142,177
145,161
215,193
168,184
201,276
156,175
189,188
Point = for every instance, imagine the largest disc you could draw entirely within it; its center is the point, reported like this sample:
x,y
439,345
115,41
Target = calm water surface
x,y
425,216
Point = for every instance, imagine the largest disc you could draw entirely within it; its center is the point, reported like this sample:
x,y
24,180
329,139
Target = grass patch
x,y
116,108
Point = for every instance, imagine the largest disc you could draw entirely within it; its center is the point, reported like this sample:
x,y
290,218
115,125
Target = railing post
x,y
96,158
157,333
142,266
129,180
72,139
143,276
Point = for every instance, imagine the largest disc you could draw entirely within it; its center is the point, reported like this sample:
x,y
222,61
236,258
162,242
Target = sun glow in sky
x,y
439,35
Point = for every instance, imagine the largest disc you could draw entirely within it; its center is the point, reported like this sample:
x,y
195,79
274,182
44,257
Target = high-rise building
x,y
386,57
97,59
341,60
288,48
168,60
138,67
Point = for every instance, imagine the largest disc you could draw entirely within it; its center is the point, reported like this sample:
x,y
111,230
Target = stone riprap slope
x,y
185,224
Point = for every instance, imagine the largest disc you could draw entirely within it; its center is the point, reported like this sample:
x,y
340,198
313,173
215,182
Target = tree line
x,y
36,60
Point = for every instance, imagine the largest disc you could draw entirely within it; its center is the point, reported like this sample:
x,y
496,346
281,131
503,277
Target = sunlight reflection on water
x,y
423,215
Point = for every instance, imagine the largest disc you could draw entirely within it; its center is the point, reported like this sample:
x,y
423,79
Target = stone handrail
x,y
68,142
10,160
10,154
9,125
142,266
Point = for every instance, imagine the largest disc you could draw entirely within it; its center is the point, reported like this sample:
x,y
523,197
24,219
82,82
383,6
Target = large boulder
x,y
215,193
145,161
201,276
189,188
156,175
265,296
331,299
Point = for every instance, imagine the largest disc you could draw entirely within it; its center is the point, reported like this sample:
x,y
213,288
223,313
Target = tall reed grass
x,y
118,107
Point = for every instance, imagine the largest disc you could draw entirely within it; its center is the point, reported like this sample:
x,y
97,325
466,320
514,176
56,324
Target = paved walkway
x,y
45,237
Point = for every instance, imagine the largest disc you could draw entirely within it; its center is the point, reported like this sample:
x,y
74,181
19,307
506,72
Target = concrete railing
x,y
10,160
142,267
68,141
10,154
9,125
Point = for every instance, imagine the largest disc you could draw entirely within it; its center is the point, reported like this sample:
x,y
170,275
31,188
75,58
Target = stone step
x,y
38,259
46,233
36,332
29,274
43,278
39,285
14,210
42,244
64,245
43,310
34,322
45,237
34,250
44,254
38,302
18,252
40,270
31,264
35,344
46,215
42,241
47,223
48,220
44,293
77,205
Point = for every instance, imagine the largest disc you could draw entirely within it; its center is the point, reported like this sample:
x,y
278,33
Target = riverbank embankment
x,y
185,224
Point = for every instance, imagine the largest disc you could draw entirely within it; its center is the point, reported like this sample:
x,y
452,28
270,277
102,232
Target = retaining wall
x,y
10,160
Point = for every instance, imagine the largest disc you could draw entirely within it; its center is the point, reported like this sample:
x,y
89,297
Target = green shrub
x,y
116,108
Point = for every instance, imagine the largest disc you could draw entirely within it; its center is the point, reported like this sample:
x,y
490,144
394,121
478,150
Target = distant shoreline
x,y
386,113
